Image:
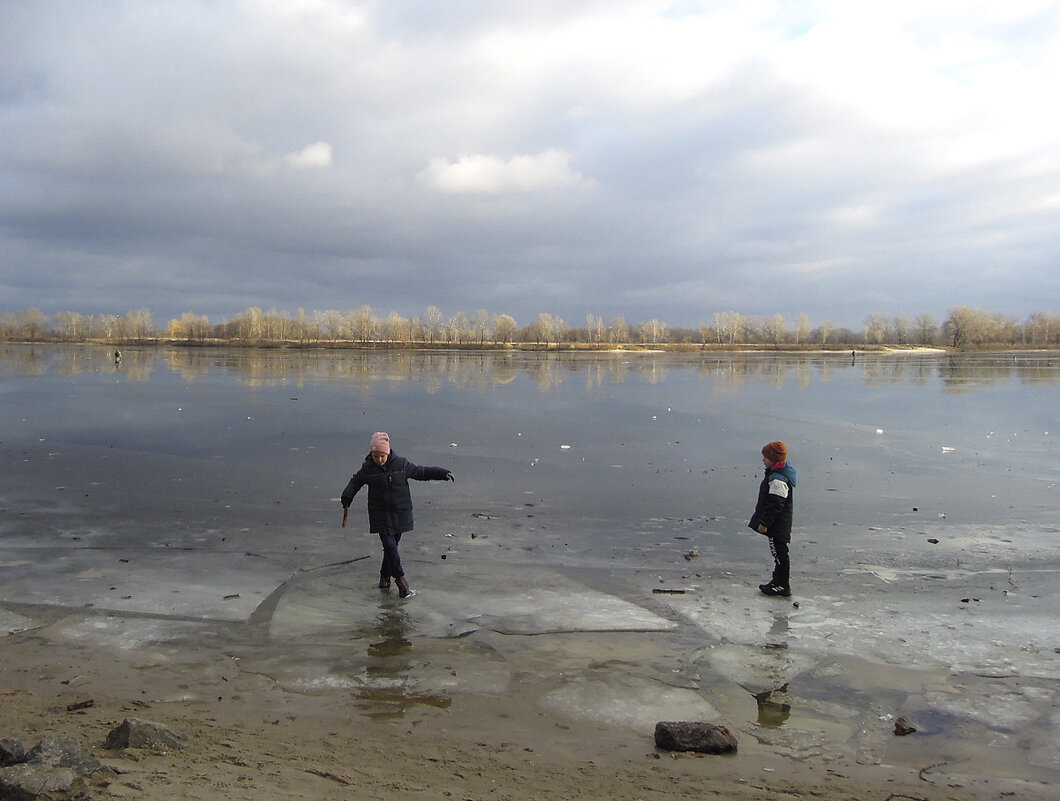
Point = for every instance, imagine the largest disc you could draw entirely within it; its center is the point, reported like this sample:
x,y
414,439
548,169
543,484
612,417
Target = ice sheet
x,y
535,601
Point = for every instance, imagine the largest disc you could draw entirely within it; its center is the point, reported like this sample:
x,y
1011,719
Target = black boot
x,y
781,590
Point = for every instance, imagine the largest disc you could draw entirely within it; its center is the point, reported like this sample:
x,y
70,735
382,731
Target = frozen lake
x,y
592,555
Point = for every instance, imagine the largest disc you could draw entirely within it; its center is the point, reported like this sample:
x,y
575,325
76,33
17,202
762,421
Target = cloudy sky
x,y
626,158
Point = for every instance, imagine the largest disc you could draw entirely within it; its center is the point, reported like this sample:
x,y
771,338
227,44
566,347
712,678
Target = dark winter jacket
x,y
776,501
389,497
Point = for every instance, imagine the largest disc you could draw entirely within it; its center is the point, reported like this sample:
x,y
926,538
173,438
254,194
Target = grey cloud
x,y
297,165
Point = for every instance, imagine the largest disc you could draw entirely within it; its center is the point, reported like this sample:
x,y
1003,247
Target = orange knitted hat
x,y
775,451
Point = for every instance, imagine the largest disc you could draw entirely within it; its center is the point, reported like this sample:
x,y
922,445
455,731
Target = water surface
x,y
199,487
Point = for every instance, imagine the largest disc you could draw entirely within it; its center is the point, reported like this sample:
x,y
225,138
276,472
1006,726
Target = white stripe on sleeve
x,y
778,487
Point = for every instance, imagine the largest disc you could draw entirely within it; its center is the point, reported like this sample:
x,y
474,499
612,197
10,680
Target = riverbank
x,y
248,739
844,349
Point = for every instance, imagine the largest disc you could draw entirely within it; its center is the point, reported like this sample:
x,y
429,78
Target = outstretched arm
x,y
430,473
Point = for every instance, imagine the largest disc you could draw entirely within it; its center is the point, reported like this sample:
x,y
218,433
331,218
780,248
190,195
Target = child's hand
x,y
762,529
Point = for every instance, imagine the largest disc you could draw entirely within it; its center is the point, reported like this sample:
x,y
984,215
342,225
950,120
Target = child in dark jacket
x,y
773,515
389,502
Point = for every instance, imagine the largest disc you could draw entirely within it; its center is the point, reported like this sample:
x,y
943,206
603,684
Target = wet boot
x,y
384,582
403,588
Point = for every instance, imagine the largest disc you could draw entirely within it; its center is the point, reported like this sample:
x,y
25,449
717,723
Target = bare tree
x,y
965,326
138,324
730,327
192,327
71,326
458,328
1042,328
364,324
395,327
900,326
599,329
301,326
480,326
278,325
544,327
653,332
30,323
432,323
107,325
773,329
926,328
504,327
248,325
876,328
331,323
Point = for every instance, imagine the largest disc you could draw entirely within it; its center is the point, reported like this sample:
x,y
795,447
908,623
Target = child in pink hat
x,y
389,502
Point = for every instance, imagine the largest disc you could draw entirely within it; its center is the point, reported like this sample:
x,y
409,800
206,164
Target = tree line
x,y
964,327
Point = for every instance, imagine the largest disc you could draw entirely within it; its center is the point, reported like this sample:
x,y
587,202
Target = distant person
x,y
389,502
773,514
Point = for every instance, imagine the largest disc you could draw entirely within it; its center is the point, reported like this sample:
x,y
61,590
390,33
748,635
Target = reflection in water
x,y
773,713
483,371
780,625
382,704
392,626
388,692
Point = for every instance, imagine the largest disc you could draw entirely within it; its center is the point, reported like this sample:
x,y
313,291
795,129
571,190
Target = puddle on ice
x,y
773,710
392,653
755,668
627,701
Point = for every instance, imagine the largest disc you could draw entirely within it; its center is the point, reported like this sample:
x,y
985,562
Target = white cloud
x,y
317,154
489,175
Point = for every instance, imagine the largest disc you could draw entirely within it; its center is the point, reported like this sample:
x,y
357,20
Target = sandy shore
x,y
249,739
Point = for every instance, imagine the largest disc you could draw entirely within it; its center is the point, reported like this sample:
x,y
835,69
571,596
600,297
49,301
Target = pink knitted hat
x,y
380,442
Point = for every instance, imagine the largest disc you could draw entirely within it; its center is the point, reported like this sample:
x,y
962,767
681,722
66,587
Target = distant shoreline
x,y
562,347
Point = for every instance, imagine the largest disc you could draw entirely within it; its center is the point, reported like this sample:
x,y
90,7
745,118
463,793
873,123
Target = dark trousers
x,y
391,566
781,563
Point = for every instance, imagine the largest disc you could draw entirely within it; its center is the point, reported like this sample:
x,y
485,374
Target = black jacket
x,y
389,497
776,502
